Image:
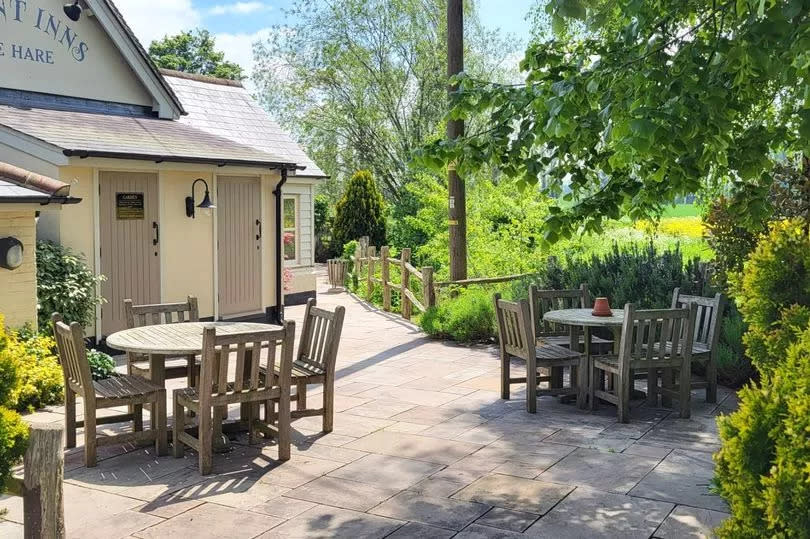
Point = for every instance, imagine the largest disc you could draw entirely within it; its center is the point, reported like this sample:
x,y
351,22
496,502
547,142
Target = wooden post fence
x,y
41,485
365,259
405,302
386,277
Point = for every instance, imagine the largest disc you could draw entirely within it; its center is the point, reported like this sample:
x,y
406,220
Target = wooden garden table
x,y
172,340
575,318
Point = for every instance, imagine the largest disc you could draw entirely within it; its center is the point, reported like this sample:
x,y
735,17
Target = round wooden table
x,y
584,318
172,340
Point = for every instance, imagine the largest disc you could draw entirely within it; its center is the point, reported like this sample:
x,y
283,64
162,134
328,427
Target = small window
x,y
290,218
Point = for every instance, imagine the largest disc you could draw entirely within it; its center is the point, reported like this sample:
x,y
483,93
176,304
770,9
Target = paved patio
x,y
423,447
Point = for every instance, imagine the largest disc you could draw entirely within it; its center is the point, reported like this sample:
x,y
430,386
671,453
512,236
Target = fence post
x,y
406,281
386,278
427,287
44,463
370,279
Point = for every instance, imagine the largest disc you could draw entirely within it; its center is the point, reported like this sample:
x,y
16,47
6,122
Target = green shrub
x,y
631,274
102,366
13,441
730,241
360,212
733,366
13,431
468,318
763,468
775,277
65,284
39,375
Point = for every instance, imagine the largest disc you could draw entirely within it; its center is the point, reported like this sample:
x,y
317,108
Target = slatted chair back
x,y
320,337
73,357
646,335
543,301
220,384
515,332
161,313
707,320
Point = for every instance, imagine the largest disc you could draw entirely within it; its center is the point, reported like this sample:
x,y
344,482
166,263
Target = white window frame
x,y
296,230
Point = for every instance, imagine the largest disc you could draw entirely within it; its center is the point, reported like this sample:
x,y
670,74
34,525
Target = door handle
x,y
259,224
156,228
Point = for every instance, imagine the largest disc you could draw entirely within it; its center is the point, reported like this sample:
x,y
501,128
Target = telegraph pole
x,y
455,129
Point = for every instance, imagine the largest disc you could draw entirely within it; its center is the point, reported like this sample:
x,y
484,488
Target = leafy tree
x,y
362,82
632,104
194,52
360,212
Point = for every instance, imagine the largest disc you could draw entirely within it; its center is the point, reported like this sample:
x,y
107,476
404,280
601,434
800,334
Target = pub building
x,y
170,184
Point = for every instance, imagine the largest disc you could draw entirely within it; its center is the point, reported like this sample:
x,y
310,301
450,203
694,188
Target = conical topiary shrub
x,y
360,212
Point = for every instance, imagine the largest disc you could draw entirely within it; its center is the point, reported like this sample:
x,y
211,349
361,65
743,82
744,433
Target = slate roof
x,y
86,134
226,108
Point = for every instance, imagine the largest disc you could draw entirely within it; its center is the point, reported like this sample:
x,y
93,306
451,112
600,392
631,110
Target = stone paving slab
x,y
422,443
614,472
587,513
506,519
386,471
686,521
514,493
343,493
322,521
431,510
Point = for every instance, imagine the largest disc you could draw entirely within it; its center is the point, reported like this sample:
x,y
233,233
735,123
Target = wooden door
x,y
239,250
130,244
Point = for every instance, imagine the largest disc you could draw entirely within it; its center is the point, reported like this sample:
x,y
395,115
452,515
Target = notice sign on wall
x,y
129,206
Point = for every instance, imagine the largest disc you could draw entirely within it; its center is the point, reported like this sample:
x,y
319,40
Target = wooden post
x,y
406,281
44,463
455,129
370,279
427,287
386,277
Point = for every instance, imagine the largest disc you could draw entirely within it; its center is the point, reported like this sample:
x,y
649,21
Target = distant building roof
x,y
98,135
225,108
18,185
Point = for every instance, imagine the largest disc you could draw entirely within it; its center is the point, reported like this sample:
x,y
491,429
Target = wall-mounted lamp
x,y
11,253
73,11
206,203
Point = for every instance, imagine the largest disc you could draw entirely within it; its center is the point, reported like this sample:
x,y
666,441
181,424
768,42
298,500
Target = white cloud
x,y
153,20
239,47
238,8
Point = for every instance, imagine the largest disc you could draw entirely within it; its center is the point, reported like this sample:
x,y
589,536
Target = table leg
x,y
157,373
584,381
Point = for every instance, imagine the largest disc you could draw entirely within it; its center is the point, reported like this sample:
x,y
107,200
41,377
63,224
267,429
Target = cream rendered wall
x,y
92,68
187,245
77,222
18,288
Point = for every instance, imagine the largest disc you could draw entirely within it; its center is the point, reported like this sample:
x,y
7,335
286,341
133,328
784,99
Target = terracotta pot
x,y
601,307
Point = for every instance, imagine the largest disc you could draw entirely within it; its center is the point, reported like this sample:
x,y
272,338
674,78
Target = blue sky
x,y
238,23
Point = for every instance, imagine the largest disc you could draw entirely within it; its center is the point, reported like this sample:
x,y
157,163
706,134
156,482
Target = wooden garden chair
x,y
221,386
162,313
645,335
122,390
707,331
315,362
517,339
543,301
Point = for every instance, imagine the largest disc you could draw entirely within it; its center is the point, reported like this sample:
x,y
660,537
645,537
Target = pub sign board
x,y
40,20
129,206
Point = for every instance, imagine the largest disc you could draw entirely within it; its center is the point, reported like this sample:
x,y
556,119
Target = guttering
x,y
84,154
279,250
42,201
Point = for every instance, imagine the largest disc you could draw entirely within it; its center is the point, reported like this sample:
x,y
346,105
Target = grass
x,y
682,226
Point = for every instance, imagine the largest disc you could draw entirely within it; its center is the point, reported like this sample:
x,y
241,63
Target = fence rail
x,y
367,261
